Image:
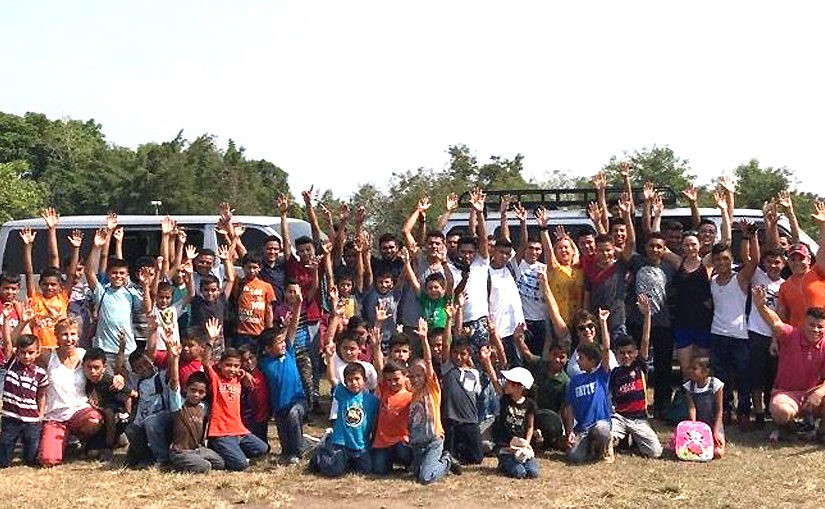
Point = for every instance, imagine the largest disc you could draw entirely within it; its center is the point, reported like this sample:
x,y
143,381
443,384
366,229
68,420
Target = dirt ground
x,y
751,475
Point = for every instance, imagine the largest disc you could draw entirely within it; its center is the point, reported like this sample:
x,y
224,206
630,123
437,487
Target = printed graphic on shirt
x,y
354,416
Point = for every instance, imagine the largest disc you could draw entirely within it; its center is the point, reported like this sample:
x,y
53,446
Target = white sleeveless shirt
x,y
66,393
729,309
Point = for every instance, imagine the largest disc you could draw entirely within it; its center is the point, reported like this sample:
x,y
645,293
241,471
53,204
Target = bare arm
x,y
94,258
407,229
605,334
75,239
313,219
752,262
28,236
452,205
819,217
647,209
722,203
426,354
477,201
559,325
51,217
504,205
787,203
487,363
625,205
408,270
769,215
644,306
625,168
770,317
600,220
692,197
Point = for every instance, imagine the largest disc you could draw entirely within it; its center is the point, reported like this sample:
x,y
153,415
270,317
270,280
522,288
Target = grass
x,y
751,475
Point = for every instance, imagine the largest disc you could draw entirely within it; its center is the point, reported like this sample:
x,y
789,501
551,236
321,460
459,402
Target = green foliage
x,y
659,165
755,185
19,195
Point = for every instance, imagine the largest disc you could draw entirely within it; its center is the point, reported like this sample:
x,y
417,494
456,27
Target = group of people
x,y
439,350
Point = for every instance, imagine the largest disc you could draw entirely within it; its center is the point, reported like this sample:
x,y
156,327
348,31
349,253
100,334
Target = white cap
x,y
519,376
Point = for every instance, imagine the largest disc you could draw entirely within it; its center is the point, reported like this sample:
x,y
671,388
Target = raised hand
x,y
222,227
452,202
381,313
238,229
423,204
744,225
504,204
769,212
690,194
222,252
159,263
477,199
422,327
191,252
344,212
326,212
721,201
117,234
76,238
560,233
145,277
648,191
520,211
225,211
604,314
404,254
360,215
599,180
187,268
760,297
111,221
27,235
644,304
283,203
484,353
213,328
51,217
594,212
624,204
784,199
451,308
100,237
307,195
819,212
658,205
167,224
727,183
625,167
541,217
181,233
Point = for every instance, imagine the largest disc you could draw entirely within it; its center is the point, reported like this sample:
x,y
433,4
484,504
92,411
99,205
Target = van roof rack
x,y
561,198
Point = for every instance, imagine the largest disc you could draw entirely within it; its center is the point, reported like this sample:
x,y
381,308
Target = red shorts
x,y
53,439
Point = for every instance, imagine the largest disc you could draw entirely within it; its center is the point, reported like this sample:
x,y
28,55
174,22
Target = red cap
x,y
801,249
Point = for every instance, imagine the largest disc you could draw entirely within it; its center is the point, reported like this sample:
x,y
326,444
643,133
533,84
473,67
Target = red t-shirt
x,y
801,364
226,406
797,294
393,417
253,299
304,276
256,399
185,369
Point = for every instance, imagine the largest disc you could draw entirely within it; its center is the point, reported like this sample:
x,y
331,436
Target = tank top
x,y
66,393
729,303
691,308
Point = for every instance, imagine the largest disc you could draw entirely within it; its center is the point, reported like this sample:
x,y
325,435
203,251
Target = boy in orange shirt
x,y
52,301
254,298
227,434
391,443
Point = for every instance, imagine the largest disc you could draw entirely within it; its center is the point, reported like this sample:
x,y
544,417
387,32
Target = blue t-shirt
x,y
115,307
588,396
283,379
355,418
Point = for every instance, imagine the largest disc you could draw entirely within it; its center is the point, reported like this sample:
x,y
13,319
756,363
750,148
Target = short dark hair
x,y
230,353
617,221
302,240
816,312
399,338
707,221
656,235
387,237
25,341
165,286
94,354
357,321
347,335
344,275
117,263
51,272
623,340
391,367
435,234
774,251
604,238
718,248
9,279
503,242
384,273
585,231
272,238
461,342
354,368
136,356
589,350
144,261
437,277
208,280
249,258
198,377
674,226
269,336
206,252
468,240
702,362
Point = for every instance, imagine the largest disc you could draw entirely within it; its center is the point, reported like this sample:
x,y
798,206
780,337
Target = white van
x,y
568,207
141,235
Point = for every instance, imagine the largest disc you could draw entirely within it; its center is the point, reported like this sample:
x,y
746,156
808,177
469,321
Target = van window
x,y
146,242
253,240
13,255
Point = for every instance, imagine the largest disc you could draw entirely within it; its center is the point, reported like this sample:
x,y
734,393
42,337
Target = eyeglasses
x,y
586,326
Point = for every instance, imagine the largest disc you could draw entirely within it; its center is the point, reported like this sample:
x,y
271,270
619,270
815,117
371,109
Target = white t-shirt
x,y
505,301
529,288
729,309
476,306
168,318
66,393
339,364
755,321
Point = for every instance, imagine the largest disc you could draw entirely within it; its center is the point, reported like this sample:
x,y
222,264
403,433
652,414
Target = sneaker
x,y
311,440
455,466
293,460
609,456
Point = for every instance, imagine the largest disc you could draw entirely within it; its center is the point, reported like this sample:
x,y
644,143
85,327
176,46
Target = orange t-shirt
x,y
253,300
393,416
425,412
47,311
225,420
797,294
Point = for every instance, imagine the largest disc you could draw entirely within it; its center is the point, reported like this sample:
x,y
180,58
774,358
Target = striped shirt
x,y
20,390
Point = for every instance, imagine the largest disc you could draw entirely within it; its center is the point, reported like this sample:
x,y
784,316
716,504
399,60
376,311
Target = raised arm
x,y
521,214
785,200
722,203
116,234
173,372
770,217
626,207
477,201
504,206
293,316
729,188
487,363
600,220
94,258
313,219
604,314
426,355
283,208
644,306
27,236
546,243
625,169
145,280
329,353
658,209
647,209
594,212
407,229
75,240
559,325
819,217
51,217
760,302
452,205
752,261
523,349
412,277
692,196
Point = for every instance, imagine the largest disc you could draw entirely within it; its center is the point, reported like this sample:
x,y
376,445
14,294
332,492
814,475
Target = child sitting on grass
x,y
704,399
513,428
588,401
348,448
460,388
254,395
112,402
628,385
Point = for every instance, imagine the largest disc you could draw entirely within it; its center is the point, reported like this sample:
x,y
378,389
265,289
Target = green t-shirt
x,y
551,390
434,310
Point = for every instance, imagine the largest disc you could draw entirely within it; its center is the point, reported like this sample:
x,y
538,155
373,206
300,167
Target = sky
x,y
341,93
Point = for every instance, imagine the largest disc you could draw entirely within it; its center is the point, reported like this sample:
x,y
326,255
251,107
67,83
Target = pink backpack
x,y
693,441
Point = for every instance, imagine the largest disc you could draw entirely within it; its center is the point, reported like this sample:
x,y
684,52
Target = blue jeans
x,y
14,430
289,422
237,450
511,467
150,439
384,458
334,460
428,463
730,357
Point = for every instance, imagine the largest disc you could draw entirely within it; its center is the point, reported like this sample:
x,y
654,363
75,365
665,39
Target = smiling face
x,y
272,250
773,266
348,350
707,234
203,263
49,286
532,252
164,299
722,263
586,331
452,245
229,367
305,252
619,234
466,253
799,263
655,250
396,380
606,254
690,246
389,250
814,329
66,337
8,291
627,354
435,290
587,245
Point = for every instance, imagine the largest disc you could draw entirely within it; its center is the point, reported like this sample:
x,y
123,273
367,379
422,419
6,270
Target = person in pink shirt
x,y
798,389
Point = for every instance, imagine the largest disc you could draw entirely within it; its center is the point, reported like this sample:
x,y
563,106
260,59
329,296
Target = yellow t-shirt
x,y
567,284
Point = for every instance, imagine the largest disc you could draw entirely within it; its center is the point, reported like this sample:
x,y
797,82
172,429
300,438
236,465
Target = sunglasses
x,y
586,326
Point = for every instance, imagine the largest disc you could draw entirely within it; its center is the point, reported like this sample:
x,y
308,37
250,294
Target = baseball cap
x,y
519,376
801,249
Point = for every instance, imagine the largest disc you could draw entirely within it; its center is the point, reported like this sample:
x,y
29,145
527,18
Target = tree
x,y
659,165
20,196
